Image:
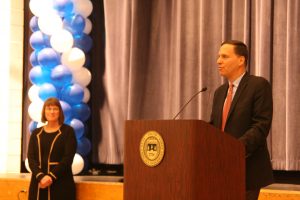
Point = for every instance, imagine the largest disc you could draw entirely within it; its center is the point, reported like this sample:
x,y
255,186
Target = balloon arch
x,y
60,41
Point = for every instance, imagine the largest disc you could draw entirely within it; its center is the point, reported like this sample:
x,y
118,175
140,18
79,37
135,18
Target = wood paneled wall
x,y
12,188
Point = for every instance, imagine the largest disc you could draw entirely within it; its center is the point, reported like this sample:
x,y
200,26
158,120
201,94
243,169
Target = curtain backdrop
x,y
159,53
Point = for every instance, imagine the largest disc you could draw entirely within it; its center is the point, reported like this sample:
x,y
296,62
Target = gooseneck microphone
x,y
182,108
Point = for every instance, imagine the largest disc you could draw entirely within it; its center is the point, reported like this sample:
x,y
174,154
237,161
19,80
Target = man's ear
x,y
242,60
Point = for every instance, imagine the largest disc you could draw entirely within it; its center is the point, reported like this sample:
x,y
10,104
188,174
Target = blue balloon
x,y
46,91
72,94
87,62
32,125
84,146
78,127
86,163
34,59
67,110
74,23
64,7
34,24
48,57
84,42
39,40
61,76
39,75
81,111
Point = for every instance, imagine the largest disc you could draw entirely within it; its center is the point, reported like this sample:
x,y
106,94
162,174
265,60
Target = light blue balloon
x,y
46,91
64,7
67,109
39,40
78,127
74,23
34,24
61,76
39,75
34,59
32,125
48,57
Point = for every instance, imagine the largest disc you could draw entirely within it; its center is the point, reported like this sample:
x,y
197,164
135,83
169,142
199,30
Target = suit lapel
x,y
223,94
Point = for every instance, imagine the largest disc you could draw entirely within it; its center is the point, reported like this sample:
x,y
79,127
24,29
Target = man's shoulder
x,y
222,87
258,80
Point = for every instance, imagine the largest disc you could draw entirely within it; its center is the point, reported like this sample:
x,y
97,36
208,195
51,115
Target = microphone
x,y
182,108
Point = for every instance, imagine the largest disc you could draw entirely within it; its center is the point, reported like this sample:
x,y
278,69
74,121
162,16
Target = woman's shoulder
x,y
37,130
66,128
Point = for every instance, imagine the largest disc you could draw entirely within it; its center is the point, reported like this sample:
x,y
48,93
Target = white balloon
x,y
61,40
78,164
83,7
74,58
49,23
88,26
27,165
40,124
35,110
40,7
33,93
86,95
82,76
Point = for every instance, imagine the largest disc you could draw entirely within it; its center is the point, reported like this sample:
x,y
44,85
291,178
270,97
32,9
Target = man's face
x,y
230,64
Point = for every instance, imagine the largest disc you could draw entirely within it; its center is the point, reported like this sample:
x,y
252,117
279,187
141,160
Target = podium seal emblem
x,y
152,148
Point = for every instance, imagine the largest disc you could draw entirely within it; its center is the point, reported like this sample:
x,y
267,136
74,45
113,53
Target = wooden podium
x,y
200,163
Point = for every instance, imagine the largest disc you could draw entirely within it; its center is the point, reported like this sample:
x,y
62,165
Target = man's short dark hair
x,y
240,48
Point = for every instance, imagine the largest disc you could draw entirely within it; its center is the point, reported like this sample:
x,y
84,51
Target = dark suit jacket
x,y
249,120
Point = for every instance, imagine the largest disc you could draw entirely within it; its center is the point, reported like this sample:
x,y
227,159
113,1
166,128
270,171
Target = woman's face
x,y
52,113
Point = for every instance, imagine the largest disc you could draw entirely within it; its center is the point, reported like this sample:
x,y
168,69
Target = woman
x,y
50,155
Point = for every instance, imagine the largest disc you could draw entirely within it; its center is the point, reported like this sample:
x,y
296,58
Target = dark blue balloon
x,y
48,57
32,125
39,40
86,163
39,75
34,59
64,7
46,91
87,62
34,24
61,76
78,127
84,42
74,23
81,111
72,94
84,146
67,110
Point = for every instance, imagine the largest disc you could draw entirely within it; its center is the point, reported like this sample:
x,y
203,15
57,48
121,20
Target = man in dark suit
x,y
243,108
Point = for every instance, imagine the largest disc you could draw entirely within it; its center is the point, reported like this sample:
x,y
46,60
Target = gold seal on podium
x,y
152,148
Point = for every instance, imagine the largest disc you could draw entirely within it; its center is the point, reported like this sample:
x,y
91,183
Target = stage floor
x,y
111,188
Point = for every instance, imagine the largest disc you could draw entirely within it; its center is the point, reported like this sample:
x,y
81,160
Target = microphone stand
x,y
182,108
